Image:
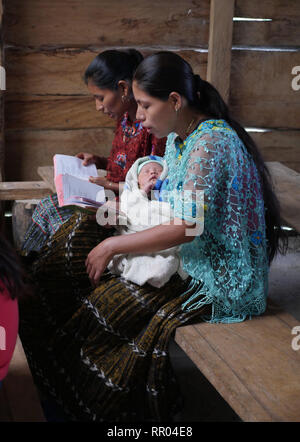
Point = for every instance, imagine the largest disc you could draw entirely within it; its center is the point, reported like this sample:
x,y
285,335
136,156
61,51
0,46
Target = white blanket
x,y
142,213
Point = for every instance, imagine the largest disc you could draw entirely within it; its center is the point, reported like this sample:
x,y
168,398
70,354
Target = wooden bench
x,y
252,364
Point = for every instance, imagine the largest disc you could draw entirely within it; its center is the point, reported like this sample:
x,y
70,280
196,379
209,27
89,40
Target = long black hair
x,y
165,72
12,274
111,66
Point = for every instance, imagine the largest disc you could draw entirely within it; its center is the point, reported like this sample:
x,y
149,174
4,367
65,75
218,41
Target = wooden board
x,y
19,392
27,24
282,31
54,112
23,190
60,74
150,23
287,188
290,9
47,175
60,71
251,364
52,94
261,94
281,146
37,148
109,22
219,49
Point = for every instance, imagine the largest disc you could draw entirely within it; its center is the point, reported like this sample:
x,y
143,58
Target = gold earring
x,y
124,98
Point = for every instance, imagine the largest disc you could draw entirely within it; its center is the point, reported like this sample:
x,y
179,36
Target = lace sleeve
x,y
203,173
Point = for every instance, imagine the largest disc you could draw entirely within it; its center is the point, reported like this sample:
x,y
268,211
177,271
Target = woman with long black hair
x,y
106,356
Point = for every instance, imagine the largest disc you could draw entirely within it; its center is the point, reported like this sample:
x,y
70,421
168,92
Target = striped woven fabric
x,y
46,220
101,354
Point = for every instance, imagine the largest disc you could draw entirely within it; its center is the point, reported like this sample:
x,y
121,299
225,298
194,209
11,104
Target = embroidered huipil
x,y
131,141
228,261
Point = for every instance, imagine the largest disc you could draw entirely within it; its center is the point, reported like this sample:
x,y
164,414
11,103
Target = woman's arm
x,y
103,181
151,240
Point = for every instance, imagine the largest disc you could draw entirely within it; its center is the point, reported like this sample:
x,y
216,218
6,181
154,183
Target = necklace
x,y
180,144
188,130
189,126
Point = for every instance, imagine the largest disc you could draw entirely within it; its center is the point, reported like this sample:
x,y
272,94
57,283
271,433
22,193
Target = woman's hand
x,y
89,158
98,259
100,180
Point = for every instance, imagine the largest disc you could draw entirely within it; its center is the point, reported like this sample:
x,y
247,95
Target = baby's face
x,y
148,176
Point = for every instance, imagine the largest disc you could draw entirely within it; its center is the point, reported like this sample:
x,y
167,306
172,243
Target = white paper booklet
x,y
72,183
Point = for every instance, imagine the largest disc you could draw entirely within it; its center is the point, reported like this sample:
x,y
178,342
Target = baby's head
x,y
148,174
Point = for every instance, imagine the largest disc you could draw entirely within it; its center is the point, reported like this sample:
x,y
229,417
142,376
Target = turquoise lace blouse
x,y
228,261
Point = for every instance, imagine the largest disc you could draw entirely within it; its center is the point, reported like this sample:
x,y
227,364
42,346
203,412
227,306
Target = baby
x,y
148,173
141,209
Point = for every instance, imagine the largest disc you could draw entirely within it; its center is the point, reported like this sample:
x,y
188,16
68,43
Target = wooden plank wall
x,y
261,93
47,106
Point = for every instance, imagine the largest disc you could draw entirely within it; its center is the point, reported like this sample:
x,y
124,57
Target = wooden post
x,y
219,45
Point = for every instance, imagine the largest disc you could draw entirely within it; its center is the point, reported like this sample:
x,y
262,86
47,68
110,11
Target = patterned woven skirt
x,y
101,354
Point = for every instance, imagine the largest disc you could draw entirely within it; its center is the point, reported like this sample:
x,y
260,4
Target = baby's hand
x,y
148,187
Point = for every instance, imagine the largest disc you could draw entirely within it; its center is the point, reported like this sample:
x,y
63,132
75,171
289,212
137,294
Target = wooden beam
x,y
47,175
114,23
56,74
219,46
17,190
